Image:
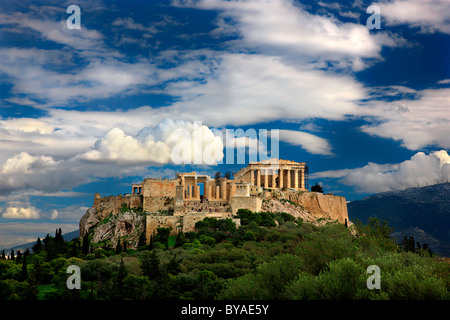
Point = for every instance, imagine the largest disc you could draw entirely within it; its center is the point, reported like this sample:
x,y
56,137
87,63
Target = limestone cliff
x,y
310,206
117,218
126,226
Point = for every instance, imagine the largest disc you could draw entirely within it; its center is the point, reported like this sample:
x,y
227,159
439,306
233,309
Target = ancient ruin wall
x,y
106,205
250,203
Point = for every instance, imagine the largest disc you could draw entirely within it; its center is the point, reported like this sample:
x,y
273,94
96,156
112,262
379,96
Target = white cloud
x,y
26,173
17,210
284,27
420,170
252,88
428,15
129,23
158,145
311,143
417,122
36,72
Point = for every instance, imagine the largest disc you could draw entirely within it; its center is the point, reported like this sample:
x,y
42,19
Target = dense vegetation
x,y
270,256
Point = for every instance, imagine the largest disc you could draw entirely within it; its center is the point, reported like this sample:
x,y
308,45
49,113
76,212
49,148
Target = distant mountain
x,y
422,212
22,247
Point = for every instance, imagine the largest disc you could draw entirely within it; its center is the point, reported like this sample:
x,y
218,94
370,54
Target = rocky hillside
x,y
126,226
422,212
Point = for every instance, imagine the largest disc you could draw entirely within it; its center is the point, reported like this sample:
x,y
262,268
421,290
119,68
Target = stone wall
x,y
159,188
106,205
250,203
185,223
158,204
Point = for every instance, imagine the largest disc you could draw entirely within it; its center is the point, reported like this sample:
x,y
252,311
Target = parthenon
x,y
274,173
251,180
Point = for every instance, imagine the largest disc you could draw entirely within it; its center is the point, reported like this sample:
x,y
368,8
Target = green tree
x,y
317,188
119,280
19,257
37,247
162,236
142,240
37,272
118,247
207,286
24,269
150,264
85,245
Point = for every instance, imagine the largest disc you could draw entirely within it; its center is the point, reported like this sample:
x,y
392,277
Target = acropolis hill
x,y
272,185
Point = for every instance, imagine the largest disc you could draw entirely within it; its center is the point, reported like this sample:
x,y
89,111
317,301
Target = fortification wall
x,y
159,188
157,203
250,203
106,205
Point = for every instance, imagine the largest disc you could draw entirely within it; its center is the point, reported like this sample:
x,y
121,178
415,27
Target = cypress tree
x,y
37,247
150,265
24,269
12,255
19,257
121,275
85,246
118,247
142,240
3,255
37,270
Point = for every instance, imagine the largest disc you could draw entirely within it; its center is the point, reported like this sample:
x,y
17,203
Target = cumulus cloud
x,y
17,210
168,142
420,170
26,172
311,143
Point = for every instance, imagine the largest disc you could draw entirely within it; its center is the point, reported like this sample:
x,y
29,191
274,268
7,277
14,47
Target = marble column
x,y
288,179
302,179
273,178
266,178
207,190
280,178
258,178
296,179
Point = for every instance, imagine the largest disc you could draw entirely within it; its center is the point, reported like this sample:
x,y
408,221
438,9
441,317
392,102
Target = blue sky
x,y
93,109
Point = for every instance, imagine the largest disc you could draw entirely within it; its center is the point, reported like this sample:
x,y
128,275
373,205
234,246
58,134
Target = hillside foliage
x,y
270,256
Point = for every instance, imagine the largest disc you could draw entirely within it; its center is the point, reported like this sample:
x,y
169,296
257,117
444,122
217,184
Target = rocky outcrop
x,y
110,220
126,226
310,206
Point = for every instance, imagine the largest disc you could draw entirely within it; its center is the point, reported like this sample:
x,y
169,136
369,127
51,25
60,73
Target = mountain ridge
x,y
419,208
29,245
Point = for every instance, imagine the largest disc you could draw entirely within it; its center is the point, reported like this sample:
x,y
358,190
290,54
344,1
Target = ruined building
x,y
190,197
